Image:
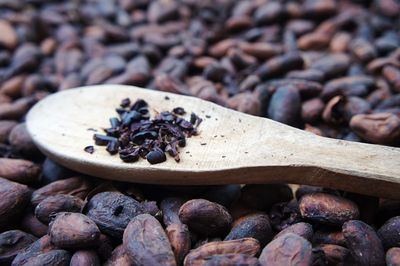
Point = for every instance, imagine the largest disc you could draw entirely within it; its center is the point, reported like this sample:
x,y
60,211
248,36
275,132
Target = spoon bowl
x,y
231,147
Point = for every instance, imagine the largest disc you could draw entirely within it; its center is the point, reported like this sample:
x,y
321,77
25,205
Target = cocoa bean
x,y
18,170
379,128
22,141
389,233
244,246
12,242
205,217
179,237
336,255
9,38
326,208
231,259
393,257
75,186
119,257
73,230
256,226
85,258
170,209
15,198
32,225
301,229
363,243
112,211
5,128
289,249
146,242
326,236
52,205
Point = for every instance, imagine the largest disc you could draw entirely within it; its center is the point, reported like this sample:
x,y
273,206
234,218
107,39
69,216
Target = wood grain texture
x,y
232,147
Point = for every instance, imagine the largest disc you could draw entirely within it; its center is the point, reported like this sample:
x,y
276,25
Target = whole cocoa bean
x,y
285,106
170,209
112,211
9,38
380,128
389,233
73,230
336,255
32,225
311,110
231,259
119,257
75,186
244,246
179,237
363,243
12,242
18,170
16,109
205,217
85,258
21,140
301,229
326,208
51,171
146,242
326,236
15,198
289,249
393,257
40,246
53,257
256,226
55,204
5,128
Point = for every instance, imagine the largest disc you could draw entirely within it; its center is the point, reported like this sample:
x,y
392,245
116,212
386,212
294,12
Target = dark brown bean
x,y
326,208
301,229
85,258
363,243
12,242
256,226
112,211
289,249
18,170
389,233
205,217
119,257
146,242
179,237
336,255
244,246
52,205
73,230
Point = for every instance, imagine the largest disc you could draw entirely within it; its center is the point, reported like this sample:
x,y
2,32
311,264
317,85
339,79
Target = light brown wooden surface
x,y
232,147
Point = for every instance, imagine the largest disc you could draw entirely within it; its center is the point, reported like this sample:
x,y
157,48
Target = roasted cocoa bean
x,y
328,209
301,229
73,230
112,211
40,246
205,217
256,226
336,255
393,257
32,225
15,198
21,141
52,205
85,258
389,233
18,170
363,243
289,249
146,242
244,246
6,127
75,186
179,237
119,257
12,242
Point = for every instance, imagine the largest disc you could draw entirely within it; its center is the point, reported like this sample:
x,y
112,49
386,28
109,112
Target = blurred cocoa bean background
x,y
330,67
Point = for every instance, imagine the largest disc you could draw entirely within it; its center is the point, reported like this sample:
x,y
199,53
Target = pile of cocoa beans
x,y
330,67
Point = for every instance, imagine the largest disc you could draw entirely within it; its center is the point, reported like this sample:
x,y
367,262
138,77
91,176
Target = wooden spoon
x,y
232,147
